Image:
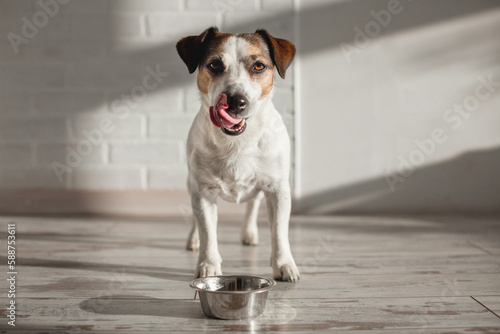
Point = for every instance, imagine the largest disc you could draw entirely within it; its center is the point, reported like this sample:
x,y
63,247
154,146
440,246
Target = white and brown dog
x,y
238,147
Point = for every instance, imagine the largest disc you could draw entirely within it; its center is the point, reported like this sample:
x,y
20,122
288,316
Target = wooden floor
x,y
359,274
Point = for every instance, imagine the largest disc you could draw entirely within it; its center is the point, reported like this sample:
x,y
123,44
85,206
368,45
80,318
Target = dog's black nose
x,y
237,103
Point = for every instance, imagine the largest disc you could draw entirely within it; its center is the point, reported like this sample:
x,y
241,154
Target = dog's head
x,y
235,72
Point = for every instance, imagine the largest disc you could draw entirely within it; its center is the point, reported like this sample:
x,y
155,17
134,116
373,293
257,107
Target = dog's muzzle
x,y
220,117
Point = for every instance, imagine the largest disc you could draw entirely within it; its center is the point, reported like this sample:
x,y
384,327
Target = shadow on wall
x,y
343,16
466,184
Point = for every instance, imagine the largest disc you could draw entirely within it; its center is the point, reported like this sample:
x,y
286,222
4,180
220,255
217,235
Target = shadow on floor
x,y
141,305
175,274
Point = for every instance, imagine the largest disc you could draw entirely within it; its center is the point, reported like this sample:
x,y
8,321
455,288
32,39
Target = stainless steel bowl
x,y
232,296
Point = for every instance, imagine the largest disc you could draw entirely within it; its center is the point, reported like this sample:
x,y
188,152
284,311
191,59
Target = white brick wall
x,y
74,110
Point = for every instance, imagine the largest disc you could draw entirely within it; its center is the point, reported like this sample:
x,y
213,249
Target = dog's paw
x,y
250,238
287,273
208,269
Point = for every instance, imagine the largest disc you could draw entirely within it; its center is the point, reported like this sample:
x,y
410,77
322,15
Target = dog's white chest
x,y
237,192
238,182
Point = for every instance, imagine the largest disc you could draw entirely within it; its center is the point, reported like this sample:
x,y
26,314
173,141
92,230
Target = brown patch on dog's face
x,y
265,78
214,52
203,80
259,64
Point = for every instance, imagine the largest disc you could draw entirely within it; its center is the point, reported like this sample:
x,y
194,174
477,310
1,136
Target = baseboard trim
x,y
148,203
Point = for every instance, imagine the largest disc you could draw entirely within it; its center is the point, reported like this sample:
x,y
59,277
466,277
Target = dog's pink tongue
x,y
227,118
218,113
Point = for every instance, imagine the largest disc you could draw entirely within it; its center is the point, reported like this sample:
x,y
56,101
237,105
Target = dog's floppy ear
x,y
282,51
192,48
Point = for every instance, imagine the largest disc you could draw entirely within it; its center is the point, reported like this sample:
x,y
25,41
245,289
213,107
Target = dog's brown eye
x,y
259,67
216,66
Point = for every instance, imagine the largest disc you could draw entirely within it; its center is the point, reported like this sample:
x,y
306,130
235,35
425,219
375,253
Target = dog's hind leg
x,y
249,229
193,242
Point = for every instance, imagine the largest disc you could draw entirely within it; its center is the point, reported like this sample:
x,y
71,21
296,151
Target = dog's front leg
x,y
279,204
205,213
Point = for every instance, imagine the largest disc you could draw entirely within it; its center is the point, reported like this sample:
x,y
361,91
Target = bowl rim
x,y
272,284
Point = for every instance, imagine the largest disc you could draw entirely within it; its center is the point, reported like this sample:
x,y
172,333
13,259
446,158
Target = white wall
x,y
86,64
366,103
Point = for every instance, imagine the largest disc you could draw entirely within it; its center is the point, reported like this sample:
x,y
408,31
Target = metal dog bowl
x,y
232,296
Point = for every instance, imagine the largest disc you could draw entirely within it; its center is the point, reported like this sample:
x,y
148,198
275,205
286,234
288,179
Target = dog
x,y
238,147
